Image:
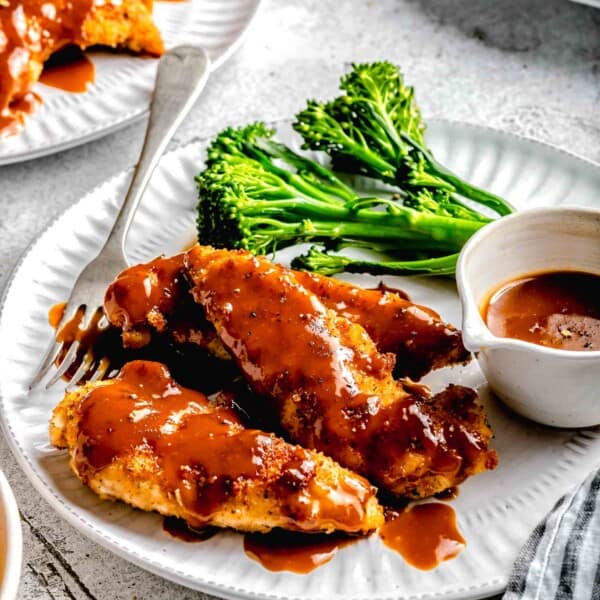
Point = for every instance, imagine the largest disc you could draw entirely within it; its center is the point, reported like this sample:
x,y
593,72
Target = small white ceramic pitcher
x,y
555,387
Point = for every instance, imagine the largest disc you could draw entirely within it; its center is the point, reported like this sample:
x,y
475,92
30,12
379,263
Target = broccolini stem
x,y
329,181
398,223
400,230
330,264
463,211
418,225
465,189
473,192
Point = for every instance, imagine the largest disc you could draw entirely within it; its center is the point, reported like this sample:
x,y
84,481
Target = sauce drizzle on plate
x,y
69,69
296,552
179,529
425,535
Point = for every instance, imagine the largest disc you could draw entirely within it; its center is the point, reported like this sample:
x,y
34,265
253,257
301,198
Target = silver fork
x,y
182,73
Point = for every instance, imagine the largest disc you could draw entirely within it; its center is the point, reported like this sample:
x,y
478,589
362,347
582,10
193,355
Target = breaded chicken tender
x,y
331,387
416,334
154,297
143,439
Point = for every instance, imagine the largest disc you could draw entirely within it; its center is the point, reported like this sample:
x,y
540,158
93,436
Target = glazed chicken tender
x,y
155,297
143,439
417,335
331,387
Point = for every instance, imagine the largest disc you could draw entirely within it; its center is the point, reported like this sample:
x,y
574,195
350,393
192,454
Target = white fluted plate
x,y
496,510
123,83
594,3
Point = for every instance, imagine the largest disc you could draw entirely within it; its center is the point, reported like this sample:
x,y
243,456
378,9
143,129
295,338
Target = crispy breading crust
x,y
252,506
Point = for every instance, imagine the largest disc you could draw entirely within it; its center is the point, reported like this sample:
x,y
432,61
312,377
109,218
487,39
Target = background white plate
x,y
11,542
123,84
594,3
496,510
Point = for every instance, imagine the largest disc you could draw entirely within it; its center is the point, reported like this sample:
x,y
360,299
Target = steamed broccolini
x,y
259,195
330,264
375,129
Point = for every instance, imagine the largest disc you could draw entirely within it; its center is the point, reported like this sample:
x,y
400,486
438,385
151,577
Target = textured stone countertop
x,y
527,66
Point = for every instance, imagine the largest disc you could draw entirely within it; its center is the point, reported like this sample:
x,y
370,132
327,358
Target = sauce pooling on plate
x,y
179,529
425,535
299,553
559,309
69,69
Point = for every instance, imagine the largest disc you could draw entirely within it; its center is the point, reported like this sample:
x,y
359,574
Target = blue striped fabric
x,y
561,559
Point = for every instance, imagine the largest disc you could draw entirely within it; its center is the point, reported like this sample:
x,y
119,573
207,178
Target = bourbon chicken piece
x,y
154,296
416,334
32,30
332,389
145,297
143,439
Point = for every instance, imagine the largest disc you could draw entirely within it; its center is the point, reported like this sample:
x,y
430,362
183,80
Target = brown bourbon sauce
x,y
94,336
296,552
141,289
69,69
179,529
383,287
425,535
11,119
558,309
414,333
56,313
201,450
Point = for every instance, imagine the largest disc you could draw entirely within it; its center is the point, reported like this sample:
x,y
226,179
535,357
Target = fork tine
x,y
92,318
82,369
103,323
102,369
55,349
50,357
65,363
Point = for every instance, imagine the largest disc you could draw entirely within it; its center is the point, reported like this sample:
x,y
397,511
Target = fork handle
x,y
181,76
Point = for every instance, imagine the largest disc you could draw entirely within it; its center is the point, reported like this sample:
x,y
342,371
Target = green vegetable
x,y
329,264
261,196
375,129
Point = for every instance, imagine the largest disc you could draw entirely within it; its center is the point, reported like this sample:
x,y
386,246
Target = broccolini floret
x,y
375,129
261,196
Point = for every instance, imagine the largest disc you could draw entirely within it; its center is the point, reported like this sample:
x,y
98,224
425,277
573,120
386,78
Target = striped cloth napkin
x,y
561,558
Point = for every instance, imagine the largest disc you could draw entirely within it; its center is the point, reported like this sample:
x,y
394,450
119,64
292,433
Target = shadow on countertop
x,y
557,26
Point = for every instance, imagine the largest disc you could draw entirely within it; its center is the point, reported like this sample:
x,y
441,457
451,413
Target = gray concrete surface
x,y
527,66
